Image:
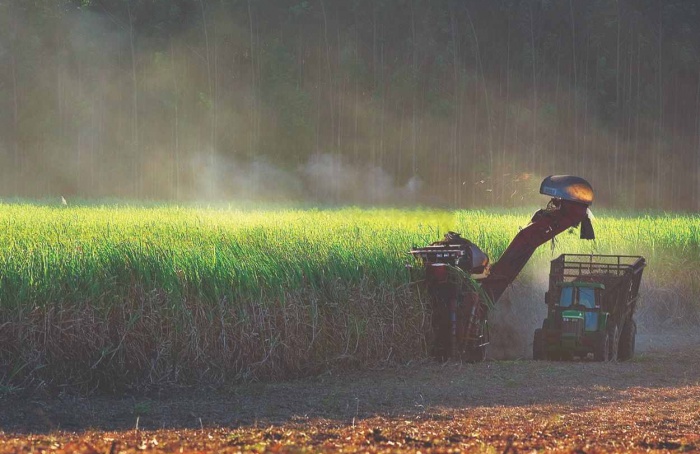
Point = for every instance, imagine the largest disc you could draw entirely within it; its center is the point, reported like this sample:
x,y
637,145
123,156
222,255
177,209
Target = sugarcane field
x,y
349,226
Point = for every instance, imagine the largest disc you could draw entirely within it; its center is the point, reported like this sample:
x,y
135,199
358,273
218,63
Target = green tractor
x,y
591,302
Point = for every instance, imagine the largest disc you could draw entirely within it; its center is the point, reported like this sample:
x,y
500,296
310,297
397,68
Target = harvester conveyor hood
x,y
567,187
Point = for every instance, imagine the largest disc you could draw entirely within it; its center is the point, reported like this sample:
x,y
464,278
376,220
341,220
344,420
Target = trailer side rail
x,y
577,265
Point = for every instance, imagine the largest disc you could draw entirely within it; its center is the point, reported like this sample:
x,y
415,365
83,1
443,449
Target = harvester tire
x,y
442,334
627,341
602,347
539,351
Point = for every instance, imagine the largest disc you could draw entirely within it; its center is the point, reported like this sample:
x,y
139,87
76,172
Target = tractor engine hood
x,y
567,187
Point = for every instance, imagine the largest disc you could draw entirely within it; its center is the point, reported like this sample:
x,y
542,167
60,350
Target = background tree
x,y
458,103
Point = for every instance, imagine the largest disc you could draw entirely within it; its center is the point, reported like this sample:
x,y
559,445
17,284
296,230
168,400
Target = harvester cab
x,y
462,284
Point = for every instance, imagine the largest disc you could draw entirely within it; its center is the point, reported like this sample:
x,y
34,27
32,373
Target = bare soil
x,y
651,403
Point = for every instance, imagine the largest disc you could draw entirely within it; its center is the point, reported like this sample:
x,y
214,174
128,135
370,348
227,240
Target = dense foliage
x,y
451,102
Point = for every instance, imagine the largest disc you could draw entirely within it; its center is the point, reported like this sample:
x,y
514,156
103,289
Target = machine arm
x,y
568,208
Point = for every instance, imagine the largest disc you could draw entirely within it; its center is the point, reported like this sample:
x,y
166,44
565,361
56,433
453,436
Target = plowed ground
x,y
651,403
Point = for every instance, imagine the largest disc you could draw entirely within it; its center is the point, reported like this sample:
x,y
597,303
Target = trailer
x,y
591,302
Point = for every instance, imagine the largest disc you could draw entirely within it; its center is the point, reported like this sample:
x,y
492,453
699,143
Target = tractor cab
x,y
579,303
575,318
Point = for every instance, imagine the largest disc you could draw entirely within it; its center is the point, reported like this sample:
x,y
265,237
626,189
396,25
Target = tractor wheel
x,y
539,348
627,337
602,347
614,344
475,354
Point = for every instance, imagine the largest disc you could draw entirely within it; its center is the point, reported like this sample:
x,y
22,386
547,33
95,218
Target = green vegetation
x,y
115,297
97,255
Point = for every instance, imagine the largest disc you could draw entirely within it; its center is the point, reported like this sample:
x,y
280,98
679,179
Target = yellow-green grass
x,y
87,255
119,297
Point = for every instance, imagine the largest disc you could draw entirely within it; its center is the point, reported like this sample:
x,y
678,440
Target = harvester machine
x,y
462,285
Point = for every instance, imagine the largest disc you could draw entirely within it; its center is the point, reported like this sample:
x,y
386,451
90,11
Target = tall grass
x,y
120,297
97,254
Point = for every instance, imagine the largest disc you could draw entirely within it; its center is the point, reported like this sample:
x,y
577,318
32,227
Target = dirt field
x,y
650,403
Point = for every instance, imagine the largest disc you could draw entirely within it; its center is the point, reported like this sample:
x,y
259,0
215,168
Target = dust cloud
x,y
328,174
517,314
324,178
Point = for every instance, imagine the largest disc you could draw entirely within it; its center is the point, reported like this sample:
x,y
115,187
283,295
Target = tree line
x,y
457,103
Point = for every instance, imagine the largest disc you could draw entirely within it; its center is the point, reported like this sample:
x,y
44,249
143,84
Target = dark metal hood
x,y
567,187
